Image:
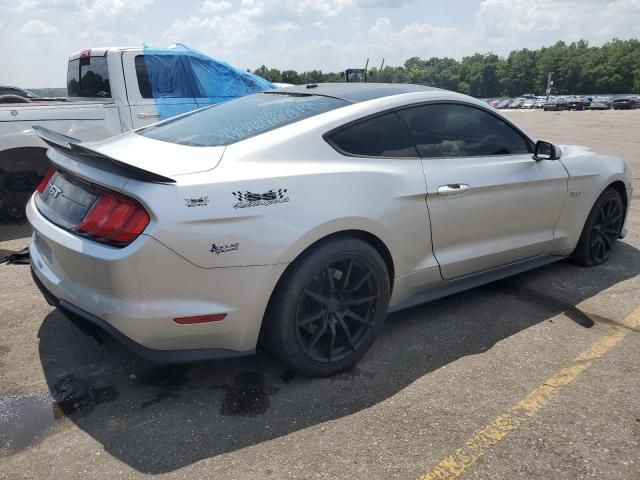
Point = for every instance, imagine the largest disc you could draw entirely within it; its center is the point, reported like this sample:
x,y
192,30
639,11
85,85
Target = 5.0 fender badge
x,y
196,202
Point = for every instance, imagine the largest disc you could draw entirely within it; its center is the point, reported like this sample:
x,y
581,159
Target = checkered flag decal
x,y
280,192
241,196
247,196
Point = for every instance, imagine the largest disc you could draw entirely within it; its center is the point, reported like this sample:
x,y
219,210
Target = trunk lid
x,y
162,158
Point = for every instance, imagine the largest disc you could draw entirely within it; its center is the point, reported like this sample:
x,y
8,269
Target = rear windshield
x,y
240,119
88,77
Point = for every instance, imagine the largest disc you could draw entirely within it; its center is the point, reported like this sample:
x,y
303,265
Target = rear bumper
x,y
136,292
97,327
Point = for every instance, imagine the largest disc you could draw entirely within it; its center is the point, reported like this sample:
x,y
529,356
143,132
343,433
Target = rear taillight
x,y
45,181
114,219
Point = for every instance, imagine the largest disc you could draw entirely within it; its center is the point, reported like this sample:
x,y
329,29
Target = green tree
x,y
577,68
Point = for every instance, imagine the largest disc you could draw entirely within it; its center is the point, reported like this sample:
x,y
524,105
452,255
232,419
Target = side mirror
x,y
546,151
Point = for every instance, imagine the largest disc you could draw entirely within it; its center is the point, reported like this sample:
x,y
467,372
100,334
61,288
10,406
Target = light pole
x,y
549,84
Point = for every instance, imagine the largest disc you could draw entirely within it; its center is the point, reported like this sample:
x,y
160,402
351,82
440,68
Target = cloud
x,y
513,24
285,27
213,6
383,3
38,28
251,8
109,9
415,37
22,5
222,31
25,5
300,34
325,8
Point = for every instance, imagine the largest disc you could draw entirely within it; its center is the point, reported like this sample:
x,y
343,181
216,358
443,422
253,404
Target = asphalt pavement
x,y
532,377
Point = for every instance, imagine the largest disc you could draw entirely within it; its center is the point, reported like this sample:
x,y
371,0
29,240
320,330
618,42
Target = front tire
x,y
329,307
601,230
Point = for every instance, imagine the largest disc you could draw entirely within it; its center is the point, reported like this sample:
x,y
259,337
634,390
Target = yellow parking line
x,y
455,465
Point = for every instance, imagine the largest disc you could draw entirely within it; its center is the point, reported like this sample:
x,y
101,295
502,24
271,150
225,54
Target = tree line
x,y
577,69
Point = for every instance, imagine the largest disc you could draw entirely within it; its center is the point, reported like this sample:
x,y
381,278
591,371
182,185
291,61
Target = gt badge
x,y
54,191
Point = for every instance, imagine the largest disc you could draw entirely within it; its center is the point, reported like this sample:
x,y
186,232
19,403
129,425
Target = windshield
x,y
240,119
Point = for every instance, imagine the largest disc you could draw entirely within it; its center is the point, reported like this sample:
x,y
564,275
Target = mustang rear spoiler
x,y
71,147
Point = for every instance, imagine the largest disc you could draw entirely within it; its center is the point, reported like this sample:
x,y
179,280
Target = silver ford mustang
x,y
299,217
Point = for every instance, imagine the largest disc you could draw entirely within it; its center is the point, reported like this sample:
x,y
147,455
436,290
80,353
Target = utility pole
x,y
380,71
365,70
549,84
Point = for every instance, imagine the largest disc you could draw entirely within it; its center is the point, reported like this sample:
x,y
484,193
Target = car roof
x,y
355,92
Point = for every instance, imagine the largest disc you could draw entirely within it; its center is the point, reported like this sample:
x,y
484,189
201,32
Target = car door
x,y
381,146
490,203
159,86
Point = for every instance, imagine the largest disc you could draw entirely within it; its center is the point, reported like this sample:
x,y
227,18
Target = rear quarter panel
x,y
319,192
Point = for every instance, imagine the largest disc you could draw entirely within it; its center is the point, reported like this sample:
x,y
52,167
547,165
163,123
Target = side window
x,y
381,136
143,77
165,76
451,130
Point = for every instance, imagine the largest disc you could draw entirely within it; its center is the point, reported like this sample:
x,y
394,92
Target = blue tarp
x,y
181,79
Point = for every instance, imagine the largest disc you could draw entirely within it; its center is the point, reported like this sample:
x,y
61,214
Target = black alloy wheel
x,y
329,307
601,230
606,229
336,310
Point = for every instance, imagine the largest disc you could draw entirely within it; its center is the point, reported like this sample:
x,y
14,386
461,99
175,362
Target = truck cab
x,y
110,90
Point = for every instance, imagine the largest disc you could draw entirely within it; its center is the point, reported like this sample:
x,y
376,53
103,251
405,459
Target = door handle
x,y
148,115
453,189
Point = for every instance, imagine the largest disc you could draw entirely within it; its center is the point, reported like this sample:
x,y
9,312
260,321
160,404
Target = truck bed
x,y
59,109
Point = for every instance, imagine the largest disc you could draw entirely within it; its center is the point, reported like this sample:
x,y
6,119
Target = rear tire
x,y
601,230
329,307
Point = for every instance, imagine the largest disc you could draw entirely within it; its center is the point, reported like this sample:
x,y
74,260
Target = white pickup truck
x,y
109,92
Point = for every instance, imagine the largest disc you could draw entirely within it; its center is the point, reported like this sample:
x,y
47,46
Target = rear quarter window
x,y
381,136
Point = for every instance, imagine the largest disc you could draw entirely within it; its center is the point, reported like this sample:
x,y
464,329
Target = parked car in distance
x,y
529,104
624,103
540,102
516,103
15,95
504,103
555,104
578,103
298,218
601,103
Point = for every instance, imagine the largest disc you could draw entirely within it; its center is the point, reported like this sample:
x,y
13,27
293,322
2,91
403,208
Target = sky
x,y
329,35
